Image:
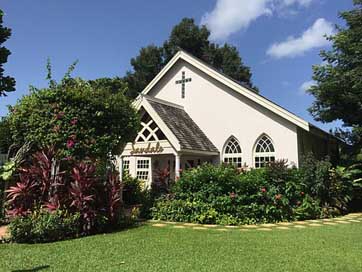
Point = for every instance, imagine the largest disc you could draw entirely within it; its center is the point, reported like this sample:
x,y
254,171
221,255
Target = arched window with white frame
x,y
232,152
264,151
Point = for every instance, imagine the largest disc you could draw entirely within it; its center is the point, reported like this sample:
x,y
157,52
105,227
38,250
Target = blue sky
x,y
278,39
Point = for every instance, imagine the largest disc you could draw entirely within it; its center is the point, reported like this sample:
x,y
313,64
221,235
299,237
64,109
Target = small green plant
x,y
308,209
133,190
184,211
43,226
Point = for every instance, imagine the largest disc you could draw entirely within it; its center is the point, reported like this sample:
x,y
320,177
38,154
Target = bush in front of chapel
x,y
225,195
63,136
44,226
76,201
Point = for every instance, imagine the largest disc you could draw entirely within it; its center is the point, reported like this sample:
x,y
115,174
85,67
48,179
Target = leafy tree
x,y
5,136
338,89
77,118
228,61
7,83
113,85
145,67
195,40
188,36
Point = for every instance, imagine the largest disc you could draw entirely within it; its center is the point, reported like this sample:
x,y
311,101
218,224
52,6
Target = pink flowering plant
x,y
78,118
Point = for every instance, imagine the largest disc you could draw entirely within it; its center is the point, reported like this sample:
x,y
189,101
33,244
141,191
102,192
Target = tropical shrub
x,y
136,194
78,118
162,183
113,189
331,186
308,209
82,193
225,195
5,136
42,226
129,219
81,123
258,195
37,184
354,174
54,185
133,190
184,211
206,182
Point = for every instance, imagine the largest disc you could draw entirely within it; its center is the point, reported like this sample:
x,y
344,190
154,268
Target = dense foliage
x,y
133,190
224,195
338,80
5,136
195,40
64,135
135,194
41,194
80,119
44,226
7,83
2,204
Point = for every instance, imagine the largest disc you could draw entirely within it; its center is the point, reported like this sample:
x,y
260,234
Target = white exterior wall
x,y
221,112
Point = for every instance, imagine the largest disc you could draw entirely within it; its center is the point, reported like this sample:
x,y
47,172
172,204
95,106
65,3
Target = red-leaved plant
x,y
114,196
52,204
162,183
38,183
21,197
53,184
82,193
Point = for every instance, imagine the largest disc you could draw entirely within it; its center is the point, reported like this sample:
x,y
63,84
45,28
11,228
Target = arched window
x,y
264,151
232,153
150,131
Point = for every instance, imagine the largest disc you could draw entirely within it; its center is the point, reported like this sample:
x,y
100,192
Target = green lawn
x,y
148,248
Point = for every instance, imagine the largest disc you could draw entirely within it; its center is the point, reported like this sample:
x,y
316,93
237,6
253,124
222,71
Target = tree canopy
x,y
193,39
5,136
79,118
338,89
7,83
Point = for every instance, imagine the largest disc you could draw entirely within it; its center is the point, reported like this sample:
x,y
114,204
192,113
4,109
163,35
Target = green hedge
x,y
43,226
225,195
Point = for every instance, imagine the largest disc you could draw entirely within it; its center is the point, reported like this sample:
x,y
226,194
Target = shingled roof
x,y
188,133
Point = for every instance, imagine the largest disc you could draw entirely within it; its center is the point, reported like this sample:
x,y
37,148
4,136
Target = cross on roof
x,y
183,82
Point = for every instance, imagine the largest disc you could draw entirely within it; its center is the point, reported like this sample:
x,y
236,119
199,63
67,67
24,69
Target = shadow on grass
x,y
121,229
38,268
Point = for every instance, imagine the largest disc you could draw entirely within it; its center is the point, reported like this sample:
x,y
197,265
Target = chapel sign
x,y
149,149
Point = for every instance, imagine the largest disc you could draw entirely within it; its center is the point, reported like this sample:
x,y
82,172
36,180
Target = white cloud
x,y
230,16
312,38
306,86
304,3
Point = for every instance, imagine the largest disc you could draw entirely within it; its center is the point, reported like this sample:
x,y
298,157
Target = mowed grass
x,y
149,248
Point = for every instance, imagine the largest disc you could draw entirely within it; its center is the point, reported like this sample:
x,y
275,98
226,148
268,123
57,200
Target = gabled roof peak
x,y
232,84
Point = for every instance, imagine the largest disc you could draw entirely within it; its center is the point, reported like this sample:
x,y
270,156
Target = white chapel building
x,y
191,114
